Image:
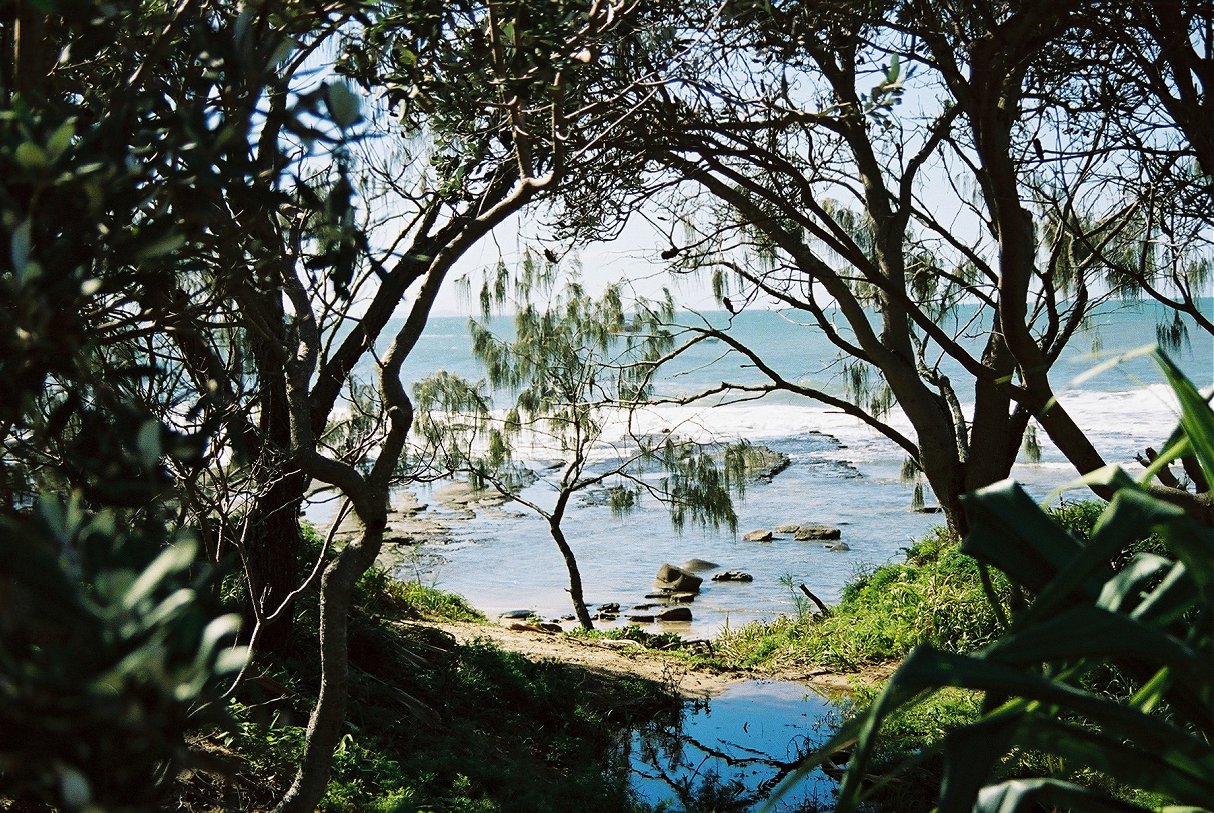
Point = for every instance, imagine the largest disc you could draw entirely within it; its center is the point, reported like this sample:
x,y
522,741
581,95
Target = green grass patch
x,y
934,597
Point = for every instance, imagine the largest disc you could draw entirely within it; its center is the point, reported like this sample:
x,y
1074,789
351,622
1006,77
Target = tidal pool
x,y
726,753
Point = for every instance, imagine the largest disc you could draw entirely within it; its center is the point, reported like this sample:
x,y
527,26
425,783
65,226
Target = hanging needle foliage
x,y
551,386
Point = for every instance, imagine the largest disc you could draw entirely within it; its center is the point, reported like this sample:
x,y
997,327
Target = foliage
x,y
571,359
786,168
379,593
112,651
484,731
111,654
1151,619
934,597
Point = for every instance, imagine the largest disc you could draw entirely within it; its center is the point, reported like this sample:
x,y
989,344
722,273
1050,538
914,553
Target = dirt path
x,y
630,658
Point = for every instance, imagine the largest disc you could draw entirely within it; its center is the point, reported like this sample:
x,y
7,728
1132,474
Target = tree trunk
x,y
272,556
575,576
329,714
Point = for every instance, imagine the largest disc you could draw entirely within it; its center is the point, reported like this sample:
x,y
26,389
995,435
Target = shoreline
x,y
623,657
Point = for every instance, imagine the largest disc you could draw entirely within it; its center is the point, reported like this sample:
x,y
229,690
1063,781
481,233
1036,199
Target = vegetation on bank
x,y
433,725
934,597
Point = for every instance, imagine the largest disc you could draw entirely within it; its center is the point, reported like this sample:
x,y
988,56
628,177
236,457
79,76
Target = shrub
x,y
1152,620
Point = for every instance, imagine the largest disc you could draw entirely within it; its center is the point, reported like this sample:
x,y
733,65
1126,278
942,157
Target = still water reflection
x,y
728,752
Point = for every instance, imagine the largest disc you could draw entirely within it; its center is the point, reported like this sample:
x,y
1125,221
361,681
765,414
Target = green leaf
x,y
173,559
1195,414
1120,592
970,755
19,248
343,104
1017,795
1136,767
1010,531
61,139
147,441
165,244
31,156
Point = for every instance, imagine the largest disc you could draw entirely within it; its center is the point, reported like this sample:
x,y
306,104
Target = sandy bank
x,y
630,658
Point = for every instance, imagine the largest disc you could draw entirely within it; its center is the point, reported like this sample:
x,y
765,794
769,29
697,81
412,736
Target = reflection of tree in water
x,y
713,775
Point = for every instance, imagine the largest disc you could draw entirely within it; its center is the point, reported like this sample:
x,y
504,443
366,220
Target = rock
x,y
681,598
550,626
609,607
658,594
788,528
514,615
520,627
602,616
393,539
807,533
644,606
676,579
763,464
699,564
757,536
640,618
675,614
929,509
838,547
733,576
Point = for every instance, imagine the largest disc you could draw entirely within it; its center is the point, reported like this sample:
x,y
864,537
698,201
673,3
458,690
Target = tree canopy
x,y
217,218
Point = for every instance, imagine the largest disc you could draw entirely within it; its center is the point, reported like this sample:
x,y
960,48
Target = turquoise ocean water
x,y
842,472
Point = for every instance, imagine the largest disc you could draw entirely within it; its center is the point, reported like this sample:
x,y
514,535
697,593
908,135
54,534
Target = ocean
x,y
842,473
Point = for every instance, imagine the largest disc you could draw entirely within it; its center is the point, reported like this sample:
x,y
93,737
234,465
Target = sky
x,y
633,256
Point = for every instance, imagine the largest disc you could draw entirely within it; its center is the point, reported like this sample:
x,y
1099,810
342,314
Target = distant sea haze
x,y
842,472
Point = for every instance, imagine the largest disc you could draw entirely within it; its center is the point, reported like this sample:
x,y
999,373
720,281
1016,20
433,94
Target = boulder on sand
x,y
677,580
757,536
810,533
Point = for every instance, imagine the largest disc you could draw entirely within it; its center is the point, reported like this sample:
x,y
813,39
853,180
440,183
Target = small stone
x,y
757,536
733,576
838,547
